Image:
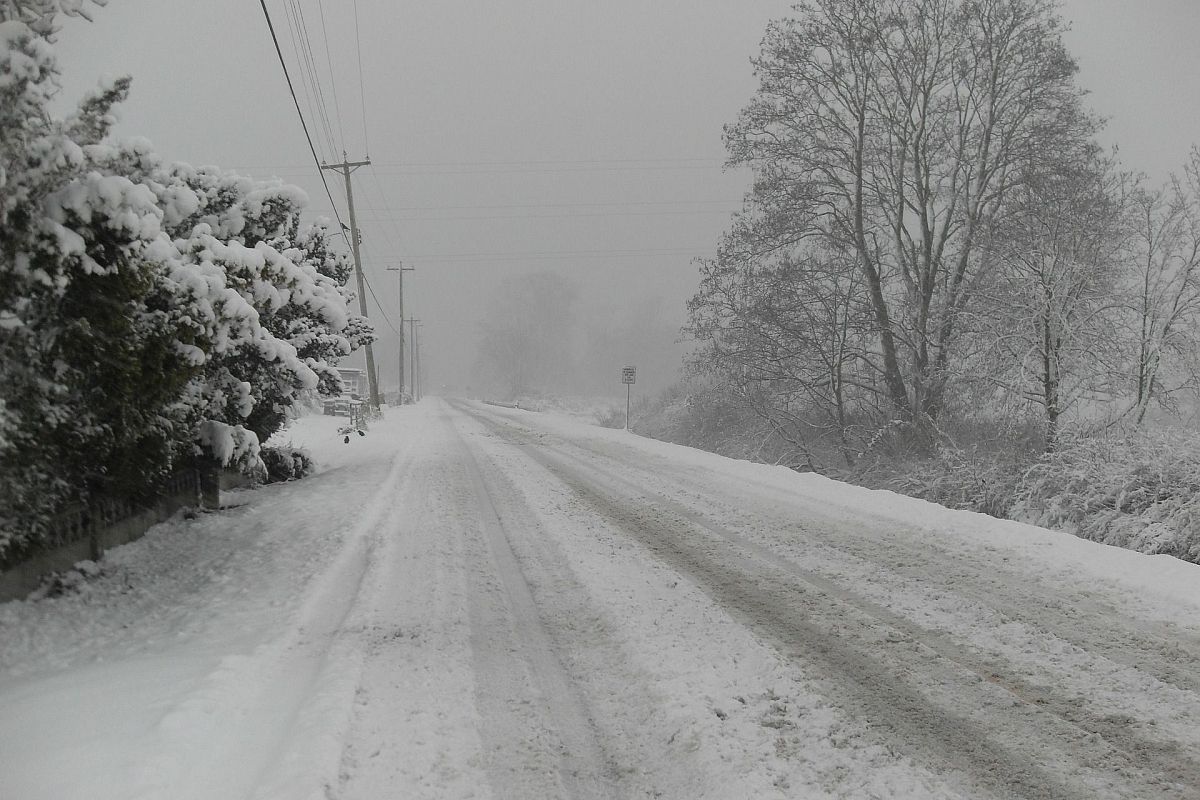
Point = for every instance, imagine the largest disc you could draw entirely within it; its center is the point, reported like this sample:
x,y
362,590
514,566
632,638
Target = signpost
x,y
628,377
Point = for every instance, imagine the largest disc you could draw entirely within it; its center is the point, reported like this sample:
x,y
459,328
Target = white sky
x,y
503,132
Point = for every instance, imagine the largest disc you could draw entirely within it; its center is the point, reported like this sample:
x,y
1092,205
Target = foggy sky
x,y
582,138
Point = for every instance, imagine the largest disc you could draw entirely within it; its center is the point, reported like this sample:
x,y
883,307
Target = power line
x,y
362,95
303,124
379,305
584,215
544,255
417,170
556,161
332,81
309,65
620,204
391,218
548,165
410,169
309,91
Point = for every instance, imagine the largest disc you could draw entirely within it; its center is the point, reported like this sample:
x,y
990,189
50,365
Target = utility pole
x,y
400,270
417,367
345,168
412,358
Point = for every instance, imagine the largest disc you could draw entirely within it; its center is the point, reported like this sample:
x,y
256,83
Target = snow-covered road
x,y
482,602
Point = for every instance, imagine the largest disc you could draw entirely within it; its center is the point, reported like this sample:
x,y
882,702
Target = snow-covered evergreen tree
x,y
89,371
150,312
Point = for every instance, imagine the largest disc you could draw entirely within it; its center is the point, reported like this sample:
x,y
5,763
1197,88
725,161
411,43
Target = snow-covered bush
x,y
1141,492
286,463
612,417
150,313
88,369
270,307
701,413
969,478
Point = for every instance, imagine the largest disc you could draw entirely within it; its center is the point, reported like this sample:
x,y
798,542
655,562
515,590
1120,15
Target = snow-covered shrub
x,y
1140,491
89,374
968,478
286,463
701,413
612,417
149,312
302,323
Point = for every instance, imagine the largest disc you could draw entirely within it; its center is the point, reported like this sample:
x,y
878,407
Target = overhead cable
x,y
362,95
332,81
303,124
379,305
309,64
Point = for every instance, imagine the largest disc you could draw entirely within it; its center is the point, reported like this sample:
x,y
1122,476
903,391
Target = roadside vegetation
x,y
152,315
941,283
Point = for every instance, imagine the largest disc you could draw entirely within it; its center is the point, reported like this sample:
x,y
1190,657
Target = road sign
x,y
628,377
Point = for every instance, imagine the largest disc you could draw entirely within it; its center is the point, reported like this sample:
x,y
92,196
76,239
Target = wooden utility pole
x,y
412,358
417,367
400,270
345,168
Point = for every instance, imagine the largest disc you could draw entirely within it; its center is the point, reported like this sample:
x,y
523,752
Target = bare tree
x,y
789,331
893,132
1164,284
1053,305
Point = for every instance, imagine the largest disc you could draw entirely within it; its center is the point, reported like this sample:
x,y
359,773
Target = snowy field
x,y
476,602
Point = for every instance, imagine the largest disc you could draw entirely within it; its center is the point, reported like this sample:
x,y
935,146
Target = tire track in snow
x,y
1003,768
1086,620
511,647
323,665
1100,627
414,727
1112,648
308,686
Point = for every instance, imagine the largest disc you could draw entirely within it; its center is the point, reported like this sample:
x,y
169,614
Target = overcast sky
x,y
575,136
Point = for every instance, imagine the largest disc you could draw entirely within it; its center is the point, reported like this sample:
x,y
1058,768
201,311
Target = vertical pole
x,y
372,381
627,393
346,167
401,269
412,356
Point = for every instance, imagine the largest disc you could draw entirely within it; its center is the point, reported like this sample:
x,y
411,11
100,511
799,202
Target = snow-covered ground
x,y
483,602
